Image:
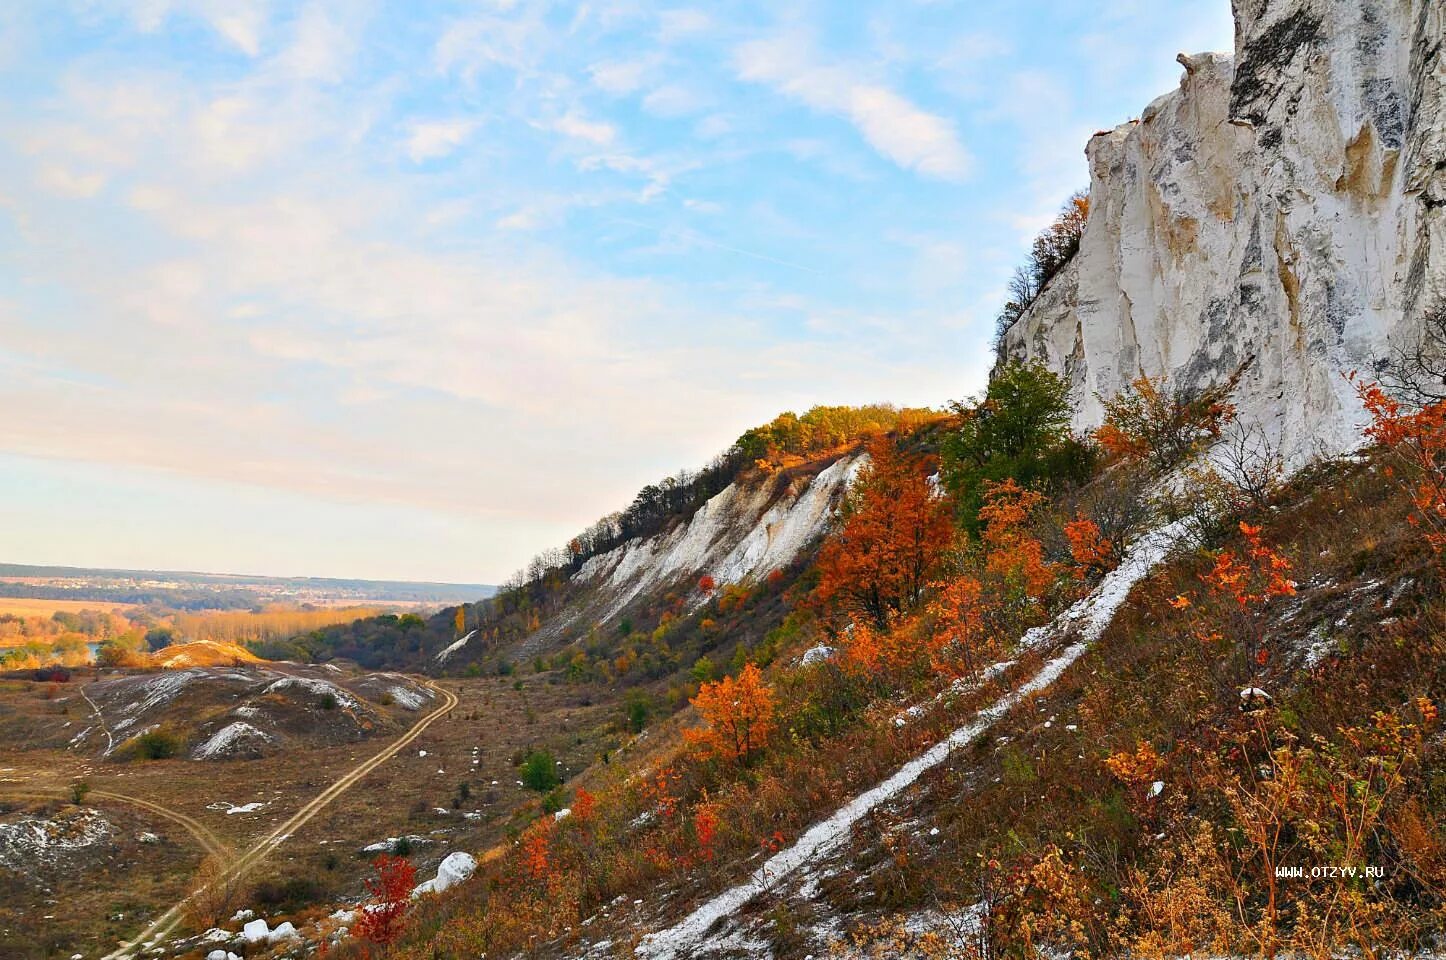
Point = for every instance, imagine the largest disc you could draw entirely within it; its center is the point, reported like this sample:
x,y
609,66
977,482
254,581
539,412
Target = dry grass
x,y
202,653
40,607
577,724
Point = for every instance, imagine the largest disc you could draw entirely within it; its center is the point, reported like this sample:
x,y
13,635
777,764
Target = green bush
x,y
1020,431
539,771
637,709
157,745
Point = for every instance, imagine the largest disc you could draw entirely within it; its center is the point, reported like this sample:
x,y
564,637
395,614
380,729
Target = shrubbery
x,y
539,771
1019,430
159,744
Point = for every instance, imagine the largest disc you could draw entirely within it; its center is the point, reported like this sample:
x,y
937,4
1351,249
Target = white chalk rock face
x,y
746,530
1285,206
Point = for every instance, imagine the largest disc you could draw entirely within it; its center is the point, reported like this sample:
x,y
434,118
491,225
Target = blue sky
x,y
415,290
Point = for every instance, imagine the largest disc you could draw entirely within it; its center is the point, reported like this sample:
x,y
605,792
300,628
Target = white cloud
x,y
713,126
322,43
620,77
575,125
912,138
240,22
524,219
675,25
432,139
673,100
67,183
514,41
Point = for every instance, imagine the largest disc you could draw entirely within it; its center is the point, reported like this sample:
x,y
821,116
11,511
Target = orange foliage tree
x,y
1417,439
960,635
383,919
535,849
1014,558
1249,578
737,713
894,532
1006,581
1090,549
1164,427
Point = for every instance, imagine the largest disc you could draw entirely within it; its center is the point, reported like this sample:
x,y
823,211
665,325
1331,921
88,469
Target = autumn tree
x,y
959,636
1248,579
1162,426
1014,556
1091,551
383,918
215,893
893,533
1415,439
737,715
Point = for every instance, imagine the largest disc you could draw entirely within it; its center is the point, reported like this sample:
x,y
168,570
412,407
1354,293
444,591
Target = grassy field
x,y
38,607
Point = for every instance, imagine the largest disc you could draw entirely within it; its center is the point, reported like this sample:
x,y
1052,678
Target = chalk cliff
x,y
1284,204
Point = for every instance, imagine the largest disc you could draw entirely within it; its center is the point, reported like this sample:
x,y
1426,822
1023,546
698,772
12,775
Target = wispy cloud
x,y
431,139
575,125
239,22
909,136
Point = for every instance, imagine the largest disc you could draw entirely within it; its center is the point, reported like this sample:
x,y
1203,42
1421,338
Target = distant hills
x,y
192,590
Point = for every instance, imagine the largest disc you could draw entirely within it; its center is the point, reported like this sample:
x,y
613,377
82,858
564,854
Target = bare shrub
x,y
1417,373
215,894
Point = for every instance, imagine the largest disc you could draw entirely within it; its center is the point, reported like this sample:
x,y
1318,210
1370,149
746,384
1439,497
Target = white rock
x,y
454,869
744,531
256,931
819,654
285,931
232,739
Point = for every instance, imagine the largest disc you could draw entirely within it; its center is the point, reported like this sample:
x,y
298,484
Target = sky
x,y
415,290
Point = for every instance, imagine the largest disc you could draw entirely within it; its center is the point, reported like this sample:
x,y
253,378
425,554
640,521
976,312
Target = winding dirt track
x,y
248,860
198,830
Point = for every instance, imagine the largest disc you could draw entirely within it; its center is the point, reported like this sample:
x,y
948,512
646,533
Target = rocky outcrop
x,y
1284,206
745,531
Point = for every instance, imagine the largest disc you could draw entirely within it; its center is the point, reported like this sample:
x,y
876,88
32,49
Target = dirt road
x,y
207,840
248,860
